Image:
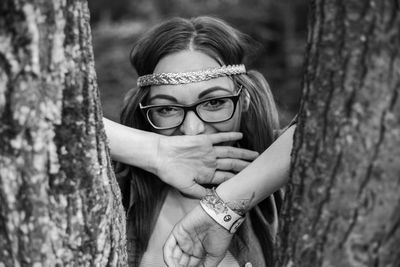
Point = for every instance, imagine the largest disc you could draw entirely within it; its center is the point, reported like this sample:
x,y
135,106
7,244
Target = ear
x,y
246,100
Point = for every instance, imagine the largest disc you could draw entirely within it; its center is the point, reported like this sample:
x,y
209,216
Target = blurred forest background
x,y
278,26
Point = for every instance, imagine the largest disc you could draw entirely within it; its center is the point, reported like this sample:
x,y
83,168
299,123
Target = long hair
x,y
227,46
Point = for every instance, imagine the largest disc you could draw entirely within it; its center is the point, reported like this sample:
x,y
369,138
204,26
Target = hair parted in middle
x,y
144,193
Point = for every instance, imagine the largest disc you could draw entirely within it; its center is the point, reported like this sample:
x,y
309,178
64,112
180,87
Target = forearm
x,y
265,175
132,146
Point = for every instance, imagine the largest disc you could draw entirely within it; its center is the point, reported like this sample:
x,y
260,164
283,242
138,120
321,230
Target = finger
x,y
168,251
177,253
221,176
225,137
194,191
235,153
194,261
235,165
212,261
184,261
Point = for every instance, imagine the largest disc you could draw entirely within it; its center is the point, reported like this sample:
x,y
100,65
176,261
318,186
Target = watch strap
x,y
217,209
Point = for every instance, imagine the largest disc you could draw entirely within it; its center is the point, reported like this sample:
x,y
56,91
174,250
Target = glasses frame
x,y
192,107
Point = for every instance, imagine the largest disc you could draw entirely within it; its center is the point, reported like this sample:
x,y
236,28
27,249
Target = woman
x,y
191,82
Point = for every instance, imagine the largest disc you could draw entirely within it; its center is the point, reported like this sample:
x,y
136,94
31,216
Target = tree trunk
x,y
343,202
60,204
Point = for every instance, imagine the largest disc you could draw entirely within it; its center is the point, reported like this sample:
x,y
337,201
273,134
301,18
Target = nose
x,y
192,125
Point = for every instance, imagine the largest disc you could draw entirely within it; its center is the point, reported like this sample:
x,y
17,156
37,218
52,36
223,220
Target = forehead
x,y
186,61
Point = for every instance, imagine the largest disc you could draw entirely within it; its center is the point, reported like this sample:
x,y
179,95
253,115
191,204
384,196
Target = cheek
x,y
232,125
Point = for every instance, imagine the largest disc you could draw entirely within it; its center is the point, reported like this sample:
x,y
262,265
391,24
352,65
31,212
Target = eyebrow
x,y
161,96
201,95
213,89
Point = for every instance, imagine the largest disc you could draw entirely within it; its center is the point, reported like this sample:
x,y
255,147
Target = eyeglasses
x,y
217,109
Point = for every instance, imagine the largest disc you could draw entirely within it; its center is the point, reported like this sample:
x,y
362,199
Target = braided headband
x,y
189,77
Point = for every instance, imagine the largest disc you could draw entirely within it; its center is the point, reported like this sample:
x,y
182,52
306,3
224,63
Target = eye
x,y
166,111
215,104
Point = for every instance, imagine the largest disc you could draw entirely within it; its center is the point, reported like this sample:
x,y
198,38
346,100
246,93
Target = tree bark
x,y
343,204
60,204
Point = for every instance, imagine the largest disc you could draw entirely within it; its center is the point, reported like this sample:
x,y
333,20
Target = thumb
x,y
194,191
212,261
221,176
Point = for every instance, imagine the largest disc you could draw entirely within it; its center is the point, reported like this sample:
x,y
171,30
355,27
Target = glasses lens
x,y
165,116
216,110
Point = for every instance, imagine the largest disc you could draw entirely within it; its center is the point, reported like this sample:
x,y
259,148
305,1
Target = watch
x,y
217,209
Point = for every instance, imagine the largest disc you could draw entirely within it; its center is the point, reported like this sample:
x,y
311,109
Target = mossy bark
x,y
60,204
343,204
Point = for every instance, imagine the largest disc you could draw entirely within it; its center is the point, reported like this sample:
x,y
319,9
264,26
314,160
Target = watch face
x,y
236,225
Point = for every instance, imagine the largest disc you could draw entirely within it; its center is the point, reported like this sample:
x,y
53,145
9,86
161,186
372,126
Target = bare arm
x,y
264,176
126,142
183,162
198,239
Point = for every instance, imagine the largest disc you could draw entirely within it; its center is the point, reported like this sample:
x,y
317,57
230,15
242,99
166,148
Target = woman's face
x,y
187,94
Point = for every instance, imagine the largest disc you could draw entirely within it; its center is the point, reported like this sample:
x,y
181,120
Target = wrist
x,y
153,161
217,209
240,203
